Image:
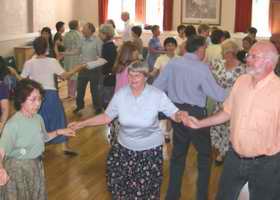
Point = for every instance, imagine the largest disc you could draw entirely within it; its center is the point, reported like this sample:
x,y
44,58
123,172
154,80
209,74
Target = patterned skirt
x,y
134,174
27,180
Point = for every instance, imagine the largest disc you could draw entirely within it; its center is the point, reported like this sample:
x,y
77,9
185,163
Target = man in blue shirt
x,y
188,81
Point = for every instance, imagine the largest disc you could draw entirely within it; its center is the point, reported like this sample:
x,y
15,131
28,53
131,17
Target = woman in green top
x,y
22,144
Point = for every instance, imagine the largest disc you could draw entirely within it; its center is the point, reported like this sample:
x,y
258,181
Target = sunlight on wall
x,y
260,17
116,7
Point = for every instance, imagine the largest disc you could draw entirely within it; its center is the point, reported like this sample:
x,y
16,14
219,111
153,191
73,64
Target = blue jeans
x,y
182,137
262,175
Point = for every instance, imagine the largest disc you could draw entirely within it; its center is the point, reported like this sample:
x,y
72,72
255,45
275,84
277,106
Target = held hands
x,y
75,125
181,116
66,132
193,123
4,178
187,120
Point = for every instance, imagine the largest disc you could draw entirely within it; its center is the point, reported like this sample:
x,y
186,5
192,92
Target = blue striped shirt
x,y
189,80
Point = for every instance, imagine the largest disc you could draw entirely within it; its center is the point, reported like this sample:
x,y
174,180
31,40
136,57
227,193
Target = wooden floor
x,y
83,177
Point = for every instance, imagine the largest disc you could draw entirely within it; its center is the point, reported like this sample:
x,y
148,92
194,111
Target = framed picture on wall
x,y
201,11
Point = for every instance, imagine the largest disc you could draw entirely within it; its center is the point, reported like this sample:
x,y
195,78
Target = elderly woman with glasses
x,y
135,162
226,71
22,145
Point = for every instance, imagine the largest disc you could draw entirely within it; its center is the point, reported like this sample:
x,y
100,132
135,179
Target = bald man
x,y
253,108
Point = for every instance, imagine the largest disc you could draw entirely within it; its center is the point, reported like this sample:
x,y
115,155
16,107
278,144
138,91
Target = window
x,y
116,7
153,12
260,17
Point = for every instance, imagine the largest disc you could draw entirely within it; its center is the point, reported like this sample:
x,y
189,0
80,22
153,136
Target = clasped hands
x,y
75,125
187,120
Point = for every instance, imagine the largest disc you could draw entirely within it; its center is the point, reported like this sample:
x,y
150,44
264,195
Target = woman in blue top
x,y
134,164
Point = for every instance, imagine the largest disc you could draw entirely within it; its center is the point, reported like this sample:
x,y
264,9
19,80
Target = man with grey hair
x,y
90,50
126,33
253,109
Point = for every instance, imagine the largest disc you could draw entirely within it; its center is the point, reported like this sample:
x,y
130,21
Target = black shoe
x,y
219,162
77,110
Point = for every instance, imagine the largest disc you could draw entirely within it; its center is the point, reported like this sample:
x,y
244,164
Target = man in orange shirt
x,y
253,107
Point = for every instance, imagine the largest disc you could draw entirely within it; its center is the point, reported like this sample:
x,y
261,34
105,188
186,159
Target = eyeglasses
x,y
34,99
254,56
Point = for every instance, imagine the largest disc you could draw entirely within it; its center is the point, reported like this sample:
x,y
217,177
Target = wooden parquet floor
x,y
84,177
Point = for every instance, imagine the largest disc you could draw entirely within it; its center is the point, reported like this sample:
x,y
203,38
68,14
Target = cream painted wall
x,y
227,14
88,11
20,17
13,16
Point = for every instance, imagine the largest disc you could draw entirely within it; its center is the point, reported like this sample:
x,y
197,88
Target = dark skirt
x,y
134,174
53,114
27,180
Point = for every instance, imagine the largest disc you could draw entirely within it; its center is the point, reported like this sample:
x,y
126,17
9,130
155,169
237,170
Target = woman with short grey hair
x,y
135,161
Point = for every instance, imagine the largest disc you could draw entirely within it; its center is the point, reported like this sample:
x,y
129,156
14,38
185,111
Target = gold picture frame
x,y
201,12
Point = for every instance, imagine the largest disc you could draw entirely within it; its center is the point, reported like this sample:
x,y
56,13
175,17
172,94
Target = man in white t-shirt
x,y
126,33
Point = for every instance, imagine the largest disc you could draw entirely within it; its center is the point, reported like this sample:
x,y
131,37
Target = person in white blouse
x,y
126,33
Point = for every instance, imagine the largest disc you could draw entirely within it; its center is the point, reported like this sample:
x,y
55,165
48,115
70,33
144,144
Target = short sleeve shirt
x,y
138,116
42,70
23,137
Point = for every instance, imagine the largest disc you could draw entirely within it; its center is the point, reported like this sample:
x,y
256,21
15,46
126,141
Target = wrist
x,y
57,132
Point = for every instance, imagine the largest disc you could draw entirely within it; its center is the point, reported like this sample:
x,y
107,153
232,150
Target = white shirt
x,y
42,70
162,61
138,116
126,34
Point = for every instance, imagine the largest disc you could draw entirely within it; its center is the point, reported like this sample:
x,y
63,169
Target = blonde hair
x,y
229,46
107,30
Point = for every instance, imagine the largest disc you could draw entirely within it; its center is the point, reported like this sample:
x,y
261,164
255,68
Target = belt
x,y
251,158
189,105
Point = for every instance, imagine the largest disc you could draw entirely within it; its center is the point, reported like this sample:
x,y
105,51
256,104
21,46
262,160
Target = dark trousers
x,y
262,175
93,77
182,137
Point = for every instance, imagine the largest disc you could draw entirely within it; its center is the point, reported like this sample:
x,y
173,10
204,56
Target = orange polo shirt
x,y
255,116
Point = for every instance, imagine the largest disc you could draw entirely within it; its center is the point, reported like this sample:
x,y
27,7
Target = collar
x,y
191,56
266,80
88,38
144,91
